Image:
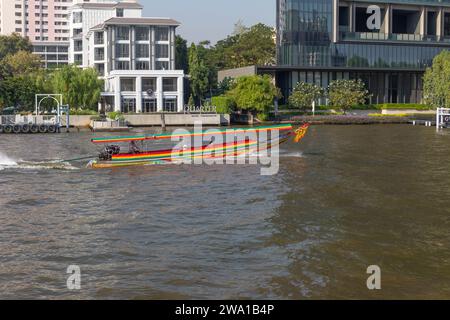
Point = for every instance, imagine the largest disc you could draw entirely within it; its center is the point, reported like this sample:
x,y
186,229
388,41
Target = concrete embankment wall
x,y
171,119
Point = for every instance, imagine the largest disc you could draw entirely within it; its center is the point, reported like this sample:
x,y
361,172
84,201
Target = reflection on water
x,y
346,198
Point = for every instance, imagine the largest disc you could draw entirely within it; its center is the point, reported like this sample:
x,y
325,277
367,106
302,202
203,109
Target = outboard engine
x,y
108,152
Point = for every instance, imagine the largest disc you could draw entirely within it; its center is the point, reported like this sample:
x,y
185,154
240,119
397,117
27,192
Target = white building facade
x,y
134,55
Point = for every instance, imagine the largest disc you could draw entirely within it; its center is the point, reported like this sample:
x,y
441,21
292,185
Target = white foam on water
x,y
293,154
9,163
6,162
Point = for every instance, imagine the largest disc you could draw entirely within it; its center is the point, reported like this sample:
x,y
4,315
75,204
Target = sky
x,y
211,19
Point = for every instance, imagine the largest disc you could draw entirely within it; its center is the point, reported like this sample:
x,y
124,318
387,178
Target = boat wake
x,y
279,153
7,163
292,154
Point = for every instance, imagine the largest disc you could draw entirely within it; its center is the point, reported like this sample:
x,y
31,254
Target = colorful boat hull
x,y
187,155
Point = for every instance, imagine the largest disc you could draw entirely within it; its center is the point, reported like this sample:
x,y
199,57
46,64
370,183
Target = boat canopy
x,y
165,136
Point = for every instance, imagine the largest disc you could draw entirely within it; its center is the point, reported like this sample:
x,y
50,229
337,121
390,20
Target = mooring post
x,y
67,120
438,119
163,121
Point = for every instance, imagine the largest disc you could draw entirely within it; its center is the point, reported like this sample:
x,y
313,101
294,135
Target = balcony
x,y
375,36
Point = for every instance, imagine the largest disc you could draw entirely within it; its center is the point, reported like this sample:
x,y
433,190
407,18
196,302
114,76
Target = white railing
x,y
28,119
442,118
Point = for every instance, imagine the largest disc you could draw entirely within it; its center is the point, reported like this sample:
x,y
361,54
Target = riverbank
x,y
348,119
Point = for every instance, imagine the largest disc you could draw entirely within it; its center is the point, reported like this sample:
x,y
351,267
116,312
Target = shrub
x,y
115,116
344,94
263,116
224,104
83,113
254,93
304,94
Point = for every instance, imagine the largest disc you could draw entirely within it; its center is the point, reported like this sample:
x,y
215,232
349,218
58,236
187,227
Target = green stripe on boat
x,y
207,132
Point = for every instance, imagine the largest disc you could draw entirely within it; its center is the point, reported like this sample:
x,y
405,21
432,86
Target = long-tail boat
x,y
112,156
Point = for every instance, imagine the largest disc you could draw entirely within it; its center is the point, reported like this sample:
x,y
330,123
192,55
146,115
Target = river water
x,y
346,198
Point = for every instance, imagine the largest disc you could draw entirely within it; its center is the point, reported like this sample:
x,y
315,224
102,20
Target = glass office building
x,y
322,40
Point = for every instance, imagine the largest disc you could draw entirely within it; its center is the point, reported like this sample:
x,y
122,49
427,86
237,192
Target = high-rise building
x,y
387,44
44,22
134,55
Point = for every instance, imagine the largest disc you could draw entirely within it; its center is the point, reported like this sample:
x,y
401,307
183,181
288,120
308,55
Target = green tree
x,y
198,74
18,92
245,47
224,86
254,93
12,44
256,46
224,104
21,63
81,88
304,94
18,85
182,54
436,84
344,94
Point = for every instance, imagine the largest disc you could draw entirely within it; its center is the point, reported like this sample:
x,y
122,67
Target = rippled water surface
x,y
345,198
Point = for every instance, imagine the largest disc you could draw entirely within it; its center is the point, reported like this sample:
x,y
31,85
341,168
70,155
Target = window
x,y
162,65
162,33
447,24
122,50
170,105
99,54
38,49
123,33
170,84
149,105
100,67
78,59
148,84
142,34
128,105
162,51
78,45
77,32
77,17
122,65
142,65
128,84
142,51
119,12
99,38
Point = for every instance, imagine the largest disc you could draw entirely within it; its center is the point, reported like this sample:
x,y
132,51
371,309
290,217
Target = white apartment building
x,y
134,55
44,22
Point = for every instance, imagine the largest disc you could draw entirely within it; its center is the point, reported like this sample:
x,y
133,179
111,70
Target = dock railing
x,y
442,118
